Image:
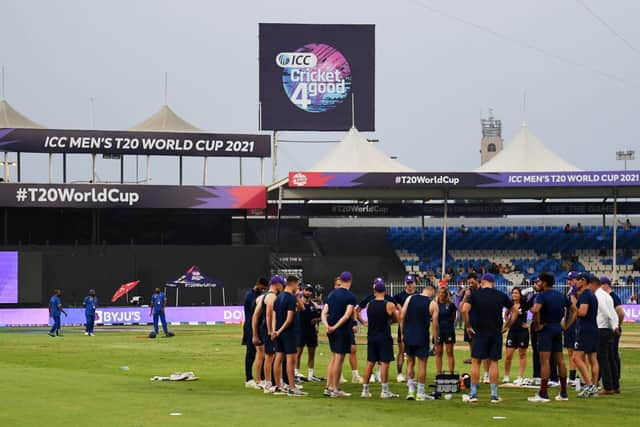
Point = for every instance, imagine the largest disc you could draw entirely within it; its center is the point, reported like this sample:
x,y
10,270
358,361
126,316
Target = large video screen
x,y
8,277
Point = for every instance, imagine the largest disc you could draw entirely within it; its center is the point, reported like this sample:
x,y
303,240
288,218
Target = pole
x,y
64,168
422,229
148,169
177,294
224,300
353,110
274,161
614,274
137,175
204,171
2,95
6,168
240,170
18,171
93,168
444,234
50,166
261,170
180,170
210,297
121,168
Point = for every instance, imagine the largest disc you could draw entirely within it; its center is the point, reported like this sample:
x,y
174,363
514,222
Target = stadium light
x,y
625,155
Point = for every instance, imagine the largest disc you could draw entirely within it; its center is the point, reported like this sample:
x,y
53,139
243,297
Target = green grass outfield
x,y
77,381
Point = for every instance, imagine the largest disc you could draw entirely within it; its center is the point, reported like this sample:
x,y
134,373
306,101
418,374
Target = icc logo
x,y
299,179
296,60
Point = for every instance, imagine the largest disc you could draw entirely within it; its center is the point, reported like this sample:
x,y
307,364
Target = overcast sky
x,y
436,74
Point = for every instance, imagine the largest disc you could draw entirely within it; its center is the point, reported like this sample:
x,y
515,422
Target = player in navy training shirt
x,y
549,310
400,298
446,337
283,333
483,316
262,323
337,315
418,312
569,336
247,333
380,314
517,337
309,318
586,346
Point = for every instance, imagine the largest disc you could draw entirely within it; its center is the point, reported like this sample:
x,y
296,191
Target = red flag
x,y
123,289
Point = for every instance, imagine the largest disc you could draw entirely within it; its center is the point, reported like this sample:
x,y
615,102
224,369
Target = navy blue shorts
x,y
518,338
570,338
587,341
399,336
340,342
380,349
420,351
446,337
486,346
269,346
550,339
286,343
308,339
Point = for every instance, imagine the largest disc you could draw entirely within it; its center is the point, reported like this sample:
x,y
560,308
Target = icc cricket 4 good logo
x,y
316,77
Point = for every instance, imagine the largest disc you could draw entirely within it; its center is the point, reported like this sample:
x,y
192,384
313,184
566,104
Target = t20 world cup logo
x,y
316,77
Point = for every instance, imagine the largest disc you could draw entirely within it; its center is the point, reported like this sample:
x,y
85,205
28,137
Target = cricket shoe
x,y
388,395
294,392
496,399
314,379
401,378
538,399
356,378
365,394
562,398
340,393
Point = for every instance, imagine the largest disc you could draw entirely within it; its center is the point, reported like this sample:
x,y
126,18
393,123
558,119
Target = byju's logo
x,y
296,60
299,179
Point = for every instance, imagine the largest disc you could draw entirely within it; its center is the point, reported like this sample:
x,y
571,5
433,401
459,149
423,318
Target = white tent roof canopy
x,y
355,154
526,153
166,120
10,118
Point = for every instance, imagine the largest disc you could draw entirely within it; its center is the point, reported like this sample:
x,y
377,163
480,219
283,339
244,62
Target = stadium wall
x,y
105,268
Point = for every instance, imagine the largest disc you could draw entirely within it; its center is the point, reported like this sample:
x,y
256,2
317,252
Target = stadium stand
x,y
517,254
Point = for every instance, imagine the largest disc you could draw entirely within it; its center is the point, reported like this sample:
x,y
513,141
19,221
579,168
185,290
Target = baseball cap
x,y
378,284
409,279
604,280
573,275
583,276
307,287
346,276
277,279
488,277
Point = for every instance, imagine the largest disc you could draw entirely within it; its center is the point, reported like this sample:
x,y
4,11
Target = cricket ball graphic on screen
x,y
316,77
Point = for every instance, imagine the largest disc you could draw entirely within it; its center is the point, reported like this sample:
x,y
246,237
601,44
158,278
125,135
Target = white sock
x,y
365,387
310,372
411,384
385,387
420,388
355,373
296,372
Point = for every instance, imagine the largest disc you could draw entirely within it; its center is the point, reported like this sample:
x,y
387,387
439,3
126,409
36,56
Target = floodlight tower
x,y
491,142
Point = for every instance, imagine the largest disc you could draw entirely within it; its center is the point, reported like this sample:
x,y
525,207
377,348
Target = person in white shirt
x,y
608,326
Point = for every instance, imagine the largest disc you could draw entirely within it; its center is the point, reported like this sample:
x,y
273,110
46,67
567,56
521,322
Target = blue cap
x,y
346,276
378,285
488,277
409,279
584,276
277,279
604,280
573,275
307,287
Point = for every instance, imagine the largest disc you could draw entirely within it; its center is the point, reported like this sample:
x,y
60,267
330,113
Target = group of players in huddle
x,y
281,319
